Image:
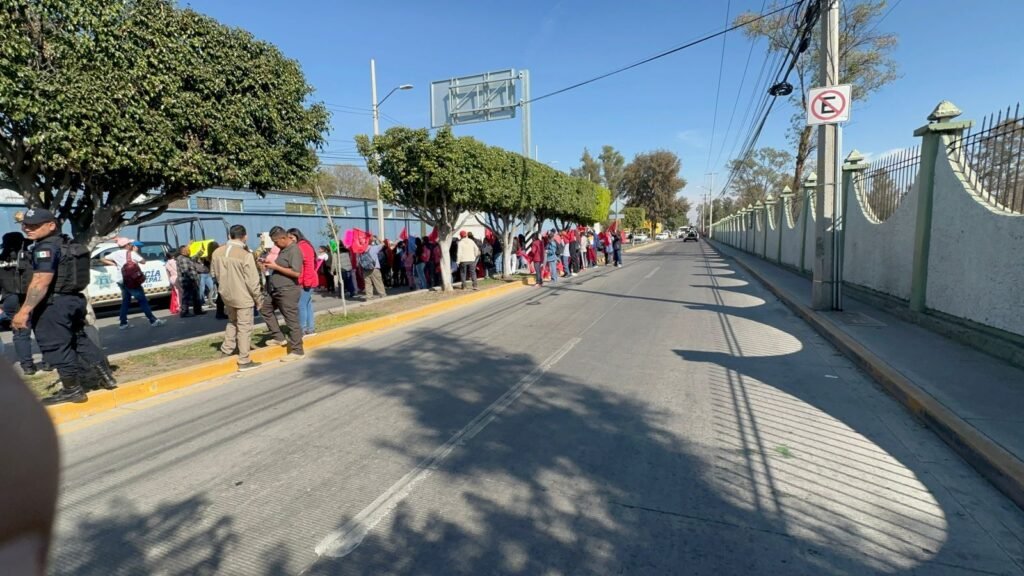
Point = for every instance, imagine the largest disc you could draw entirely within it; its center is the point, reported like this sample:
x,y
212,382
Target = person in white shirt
x,y
118,259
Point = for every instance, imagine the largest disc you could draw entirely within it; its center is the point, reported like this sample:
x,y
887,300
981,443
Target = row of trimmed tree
x,y
441,179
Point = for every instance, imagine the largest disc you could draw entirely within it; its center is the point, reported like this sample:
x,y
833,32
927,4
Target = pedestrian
x,y
207,289
56,308
15,276
536,254
387,264
283,293
370,264
238,282
188,276
128,274
323,270
420,261
307,282
345,265
609,248
409,262
617,249
591,250
398,269
435,264
467,252
566,254
552,254
171,266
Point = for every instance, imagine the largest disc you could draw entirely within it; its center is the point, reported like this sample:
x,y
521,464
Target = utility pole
x,y
376,132
824,289
711,204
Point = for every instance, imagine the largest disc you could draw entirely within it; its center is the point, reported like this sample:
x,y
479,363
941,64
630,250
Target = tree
x,y
589,168
437,179
865,61
507,197
633,218
651,181
997,164
612,167
110,111
764,171
883,196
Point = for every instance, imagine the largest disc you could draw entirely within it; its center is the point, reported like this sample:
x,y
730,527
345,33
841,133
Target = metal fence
x,y
886,182
995,154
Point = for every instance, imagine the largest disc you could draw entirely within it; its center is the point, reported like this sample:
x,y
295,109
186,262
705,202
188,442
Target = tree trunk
x,y
508,260
445,234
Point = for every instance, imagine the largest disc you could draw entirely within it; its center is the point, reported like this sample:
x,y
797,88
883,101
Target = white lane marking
x,y
343,541
652,272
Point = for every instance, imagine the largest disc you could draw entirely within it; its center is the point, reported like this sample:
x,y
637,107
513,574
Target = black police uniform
x,y
59,321
15,275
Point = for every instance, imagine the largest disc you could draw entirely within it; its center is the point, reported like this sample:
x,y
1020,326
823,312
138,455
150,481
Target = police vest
x,y
73,269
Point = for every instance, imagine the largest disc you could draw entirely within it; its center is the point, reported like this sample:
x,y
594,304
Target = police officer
x,y
57,307
15,274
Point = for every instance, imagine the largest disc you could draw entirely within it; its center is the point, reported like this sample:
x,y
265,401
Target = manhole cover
x,y
858,319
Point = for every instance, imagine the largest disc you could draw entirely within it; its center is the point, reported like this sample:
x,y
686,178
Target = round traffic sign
x,y
828,105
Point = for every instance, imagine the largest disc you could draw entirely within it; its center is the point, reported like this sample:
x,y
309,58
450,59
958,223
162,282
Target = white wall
x,y
976,260
774,229
791,239
880,256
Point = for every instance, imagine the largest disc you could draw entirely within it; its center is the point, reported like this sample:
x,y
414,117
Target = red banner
x,y
614,226
433,235
404,234
360,241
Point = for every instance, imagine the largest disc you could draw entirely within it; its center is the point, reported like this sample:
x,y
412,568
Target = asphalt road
x,y
669,417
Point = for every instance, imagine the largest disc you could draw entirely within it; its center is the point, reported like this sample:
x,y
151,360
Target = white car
x,y
640,238
661,236
103,291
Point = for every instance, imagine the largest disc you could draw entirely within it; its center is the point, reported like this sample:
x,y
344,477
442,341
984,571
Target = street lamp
x,y
376,132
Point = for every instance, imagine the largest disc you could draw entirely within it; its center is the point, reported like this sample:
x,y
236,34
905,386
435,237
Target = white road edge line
x,y
652,272
343,541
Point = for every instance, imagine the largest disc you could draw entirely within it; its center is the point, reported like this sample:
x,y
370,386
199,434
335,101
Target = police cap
x,y
37,216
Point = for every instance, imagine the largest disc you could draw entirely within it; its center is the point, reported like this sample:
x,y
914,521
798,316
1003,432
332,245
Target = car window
x,y
153,252
105,253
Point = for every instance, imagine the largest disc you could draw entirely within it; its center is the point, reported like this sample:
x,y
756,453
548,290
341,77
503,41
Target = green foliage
x,y
109,111
613,165
651,181
602,205
589,168
764,171
634,218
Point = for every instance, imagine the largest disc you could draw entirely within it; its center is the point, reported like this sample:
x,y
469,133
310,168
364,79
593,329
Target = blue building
x,y
258,214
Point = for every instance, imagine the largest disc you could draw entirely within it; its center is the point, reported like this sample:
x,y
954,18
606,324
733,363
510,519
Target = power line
x,y
663,54
718,88
735,105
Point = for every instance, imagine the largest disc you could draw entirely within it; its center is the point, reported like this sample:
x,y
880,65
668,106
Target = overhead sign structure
x,y
476,98
482,98
828,105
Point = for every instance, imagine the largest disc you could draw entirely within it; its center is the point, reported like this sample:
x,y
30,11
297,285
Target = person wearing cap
x,y
57,308
468,253
118,259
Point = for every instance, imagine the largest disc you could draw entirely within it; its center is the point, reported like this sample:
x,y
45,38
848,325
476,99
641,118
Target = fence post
x,y
770,202
810,185
939,124
762,211
784,202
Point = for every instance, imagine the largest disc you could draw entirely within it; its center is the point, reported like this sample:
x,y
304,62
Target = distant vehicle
x,y
103,291
691,235
640,238
661,236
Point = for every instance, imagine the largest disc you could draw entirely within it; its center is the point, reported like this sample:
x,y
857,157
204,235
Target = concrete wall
x,y
880,256
976,261
809,234
791,241
774,231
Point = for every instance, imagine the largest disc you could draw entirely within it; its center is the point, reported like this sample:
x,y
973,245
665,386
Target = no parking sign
x,y
828,105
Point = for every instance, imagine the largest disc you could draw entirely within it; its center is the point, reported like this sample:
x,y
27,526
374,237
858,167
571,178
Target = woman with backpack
x,y
308,281
129,277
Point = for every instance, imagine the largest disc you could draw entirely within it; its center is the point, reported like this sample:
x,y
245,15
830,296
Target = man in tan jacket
x,y
238,281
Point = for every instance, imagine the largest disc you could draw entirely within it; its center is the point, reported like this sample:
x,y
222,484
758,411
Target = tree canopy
x,y
764,171
110,111
345,180
651,181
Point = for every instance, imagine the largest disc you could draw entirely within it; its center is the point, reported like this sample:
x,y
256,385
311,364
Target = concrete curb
x,y
104,400
997,464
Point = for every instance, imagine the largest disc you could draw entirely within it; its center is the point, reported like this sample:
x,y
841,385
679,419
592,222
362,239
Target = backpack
x,y
132,275
366,261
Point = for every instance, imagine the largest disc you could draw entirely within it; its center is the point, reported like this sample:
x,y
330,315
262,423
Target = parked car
x,y
640,238
691,235
103,291
661,236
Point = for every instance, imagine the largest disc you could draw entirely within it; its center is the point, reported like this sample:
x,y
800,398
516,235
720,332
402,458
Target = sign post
x,y
828,105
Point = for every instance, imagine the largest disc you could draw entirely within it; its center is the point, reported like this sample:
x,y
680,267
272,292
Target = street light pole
x,y
711,204
376,132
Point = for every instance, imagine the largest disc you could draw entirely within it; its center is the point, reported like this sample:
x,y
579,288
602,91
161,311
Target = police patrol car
x,y
103,291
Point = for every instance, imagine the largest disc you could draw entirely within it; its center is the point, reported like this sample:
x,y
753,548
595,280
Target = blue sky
x,y
967,51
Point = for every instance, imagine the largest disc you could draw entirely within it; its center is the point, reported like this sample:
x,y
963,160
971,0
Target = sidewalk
x,y
973,401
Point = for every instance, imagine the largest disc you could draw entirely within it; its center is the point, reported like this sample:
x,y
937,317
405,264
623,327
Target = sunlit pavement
x,y
668,417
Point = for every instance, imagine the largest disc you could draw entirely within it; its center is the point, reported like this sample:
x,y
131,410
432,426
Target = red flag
x,y
360,241
433,235
403,235
613,227
488,235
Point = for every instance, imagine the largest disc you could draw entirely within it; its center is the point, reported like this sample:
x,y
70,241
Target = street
x,y
668,417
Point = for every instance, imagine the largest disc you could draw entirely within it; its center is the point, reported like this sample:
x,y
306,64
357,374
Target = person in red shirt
x,y
537,258
308,281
